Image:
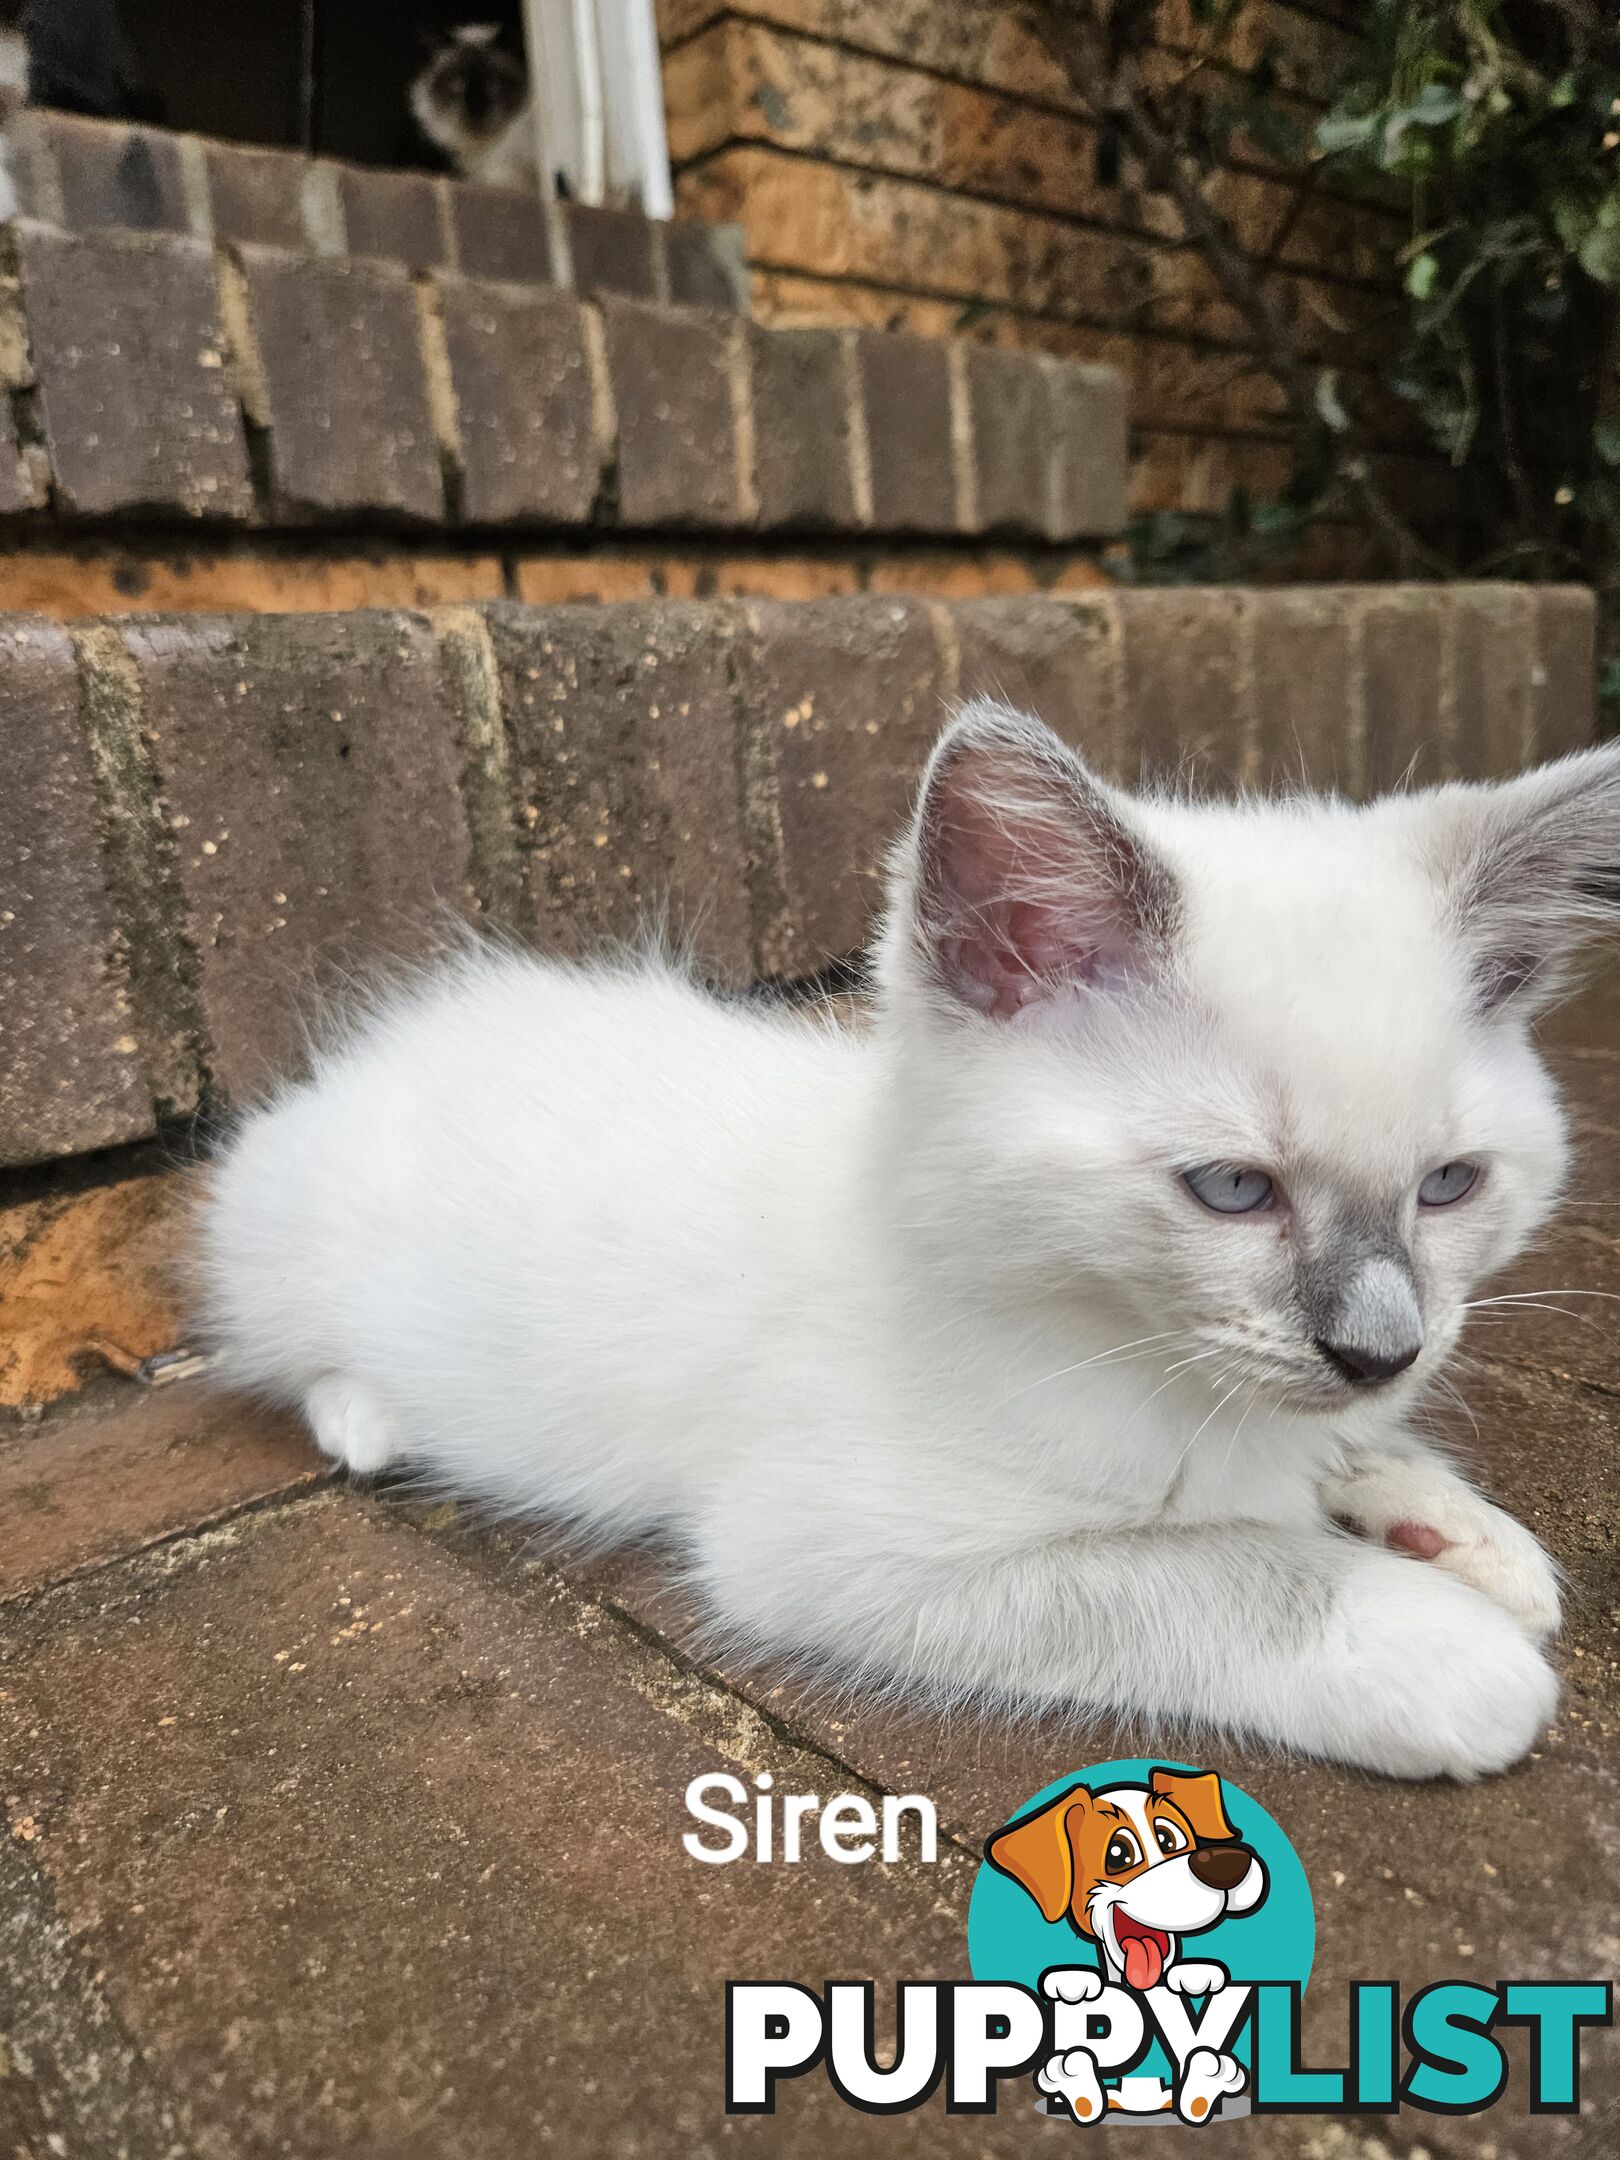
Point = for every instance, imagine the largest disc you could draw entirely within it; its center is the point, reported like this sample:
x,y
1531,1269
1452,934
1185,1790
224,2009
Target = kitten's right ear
x,y
1533,867
1024,878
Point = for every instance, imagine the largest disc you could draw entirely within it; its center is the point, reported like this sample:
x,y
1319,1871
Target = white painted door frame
x,y
599,102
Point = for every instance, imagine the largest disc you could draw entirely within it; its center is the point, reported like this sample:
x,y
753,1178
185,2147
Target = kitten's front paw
x,y
1431,1679
351,1425
1421,1508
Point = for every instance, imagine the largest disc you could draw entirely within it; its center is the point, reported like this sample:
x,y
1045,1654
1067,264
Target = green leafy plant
x,y
1499,126
1493,126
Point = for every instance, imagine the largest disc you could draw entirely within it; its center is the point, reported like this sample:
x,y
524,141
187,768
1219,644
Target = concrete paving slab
x,y
374,1860
81,1490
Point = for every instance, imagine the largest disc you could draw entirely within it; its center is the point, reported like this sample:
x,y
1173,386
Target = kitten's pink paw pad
x,y
1416,1538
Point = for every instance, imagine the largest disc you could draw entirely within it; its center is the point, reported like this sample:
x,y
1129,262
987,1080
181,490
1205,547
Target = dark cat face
x,y
470,86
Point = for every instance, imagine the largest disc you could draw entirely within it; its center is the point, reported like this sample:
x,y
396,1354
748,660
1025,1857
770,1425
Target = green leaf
x,y
1276,520
1606,437
1329,406
1422,275
1345,131
1599,254
1434,105
1572,218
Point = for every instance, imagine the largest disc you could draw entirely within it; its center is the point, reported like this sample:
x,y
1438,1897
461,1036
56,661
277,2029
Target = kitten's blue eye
x,y
1229,1189
1452,1181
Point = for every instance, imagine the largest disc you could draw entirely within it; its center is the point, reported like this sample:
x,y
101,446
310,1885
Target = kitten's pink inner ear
x,y
1015,954
1023,892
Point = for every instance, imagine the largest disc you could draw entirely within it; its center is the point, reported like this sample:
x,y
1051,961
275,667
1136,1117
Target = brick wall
x,y
201,818
97,176
200,390
153,376
921,165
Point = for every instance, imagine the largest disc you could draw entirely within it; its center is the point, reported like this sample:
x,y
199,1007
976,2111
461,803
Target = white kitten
x,y
1028,1345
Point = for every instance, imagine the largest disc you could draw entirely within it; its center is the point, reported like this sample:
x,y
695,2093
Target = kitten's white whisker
x,y
1102,1357
1531,1297
1457,1397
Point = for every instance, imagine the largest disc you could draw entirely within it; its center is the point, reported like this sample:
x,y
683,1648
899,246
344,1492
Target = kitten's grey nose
x,y
1363,1367
1369,1318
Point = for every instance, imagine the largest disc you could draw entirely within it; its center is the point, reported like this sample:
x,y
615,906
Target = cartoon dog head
x,y
1134,1868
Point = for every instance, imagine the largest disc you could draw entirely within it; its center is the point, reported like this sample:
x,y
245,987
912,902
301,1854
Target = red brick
x,y
804,474
1185,707
1059,659
1009,407
1405,729
340,369
520,375
499,232
1089,476
1494,660
704,264
612,251
72,1076
1307,707
906,394
85,1489
21,487
31,162
626,751
256,194
1565,715
394,215
675,374
380,1859
308,770
127,344
841,700
111,175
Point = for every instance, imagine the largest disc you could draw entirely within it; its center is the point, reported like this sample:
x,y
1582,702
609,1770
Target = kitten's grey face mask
x,y
1325,1253
473,83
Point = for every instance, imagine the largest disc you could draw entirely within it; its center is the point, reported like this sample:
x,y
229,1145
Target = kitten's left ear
x,y
1024,875
1533,866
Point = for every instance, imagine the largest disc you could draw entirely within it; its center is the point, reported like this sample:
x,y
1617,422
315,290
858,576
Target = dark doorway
x,y
332,76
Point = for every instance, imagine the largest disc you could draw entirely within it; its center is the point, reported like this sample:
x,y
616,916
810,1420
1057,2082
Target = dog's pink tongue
x,y
1144,1961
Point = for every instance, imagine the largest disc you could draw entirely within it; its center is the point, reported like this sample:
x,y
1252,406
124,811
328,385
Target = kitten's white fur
x,y
913,1339
508,158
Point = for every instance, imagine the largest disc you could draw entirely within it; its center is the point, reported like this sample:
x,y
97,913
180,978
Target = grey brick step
x,y
203,817
241,384
86,175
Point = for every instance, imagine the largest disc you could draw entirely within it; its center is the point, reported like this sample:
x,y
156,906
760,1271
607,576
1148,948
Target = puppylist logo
x,y
1140,1938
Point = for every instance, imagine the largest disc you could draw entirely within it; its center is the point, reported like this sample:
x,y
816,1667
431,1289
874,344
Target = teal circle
x,y
1009,1940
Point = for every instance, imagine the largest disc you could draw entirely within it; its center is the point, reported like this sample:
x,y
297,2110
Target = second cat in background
x,y
472,103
